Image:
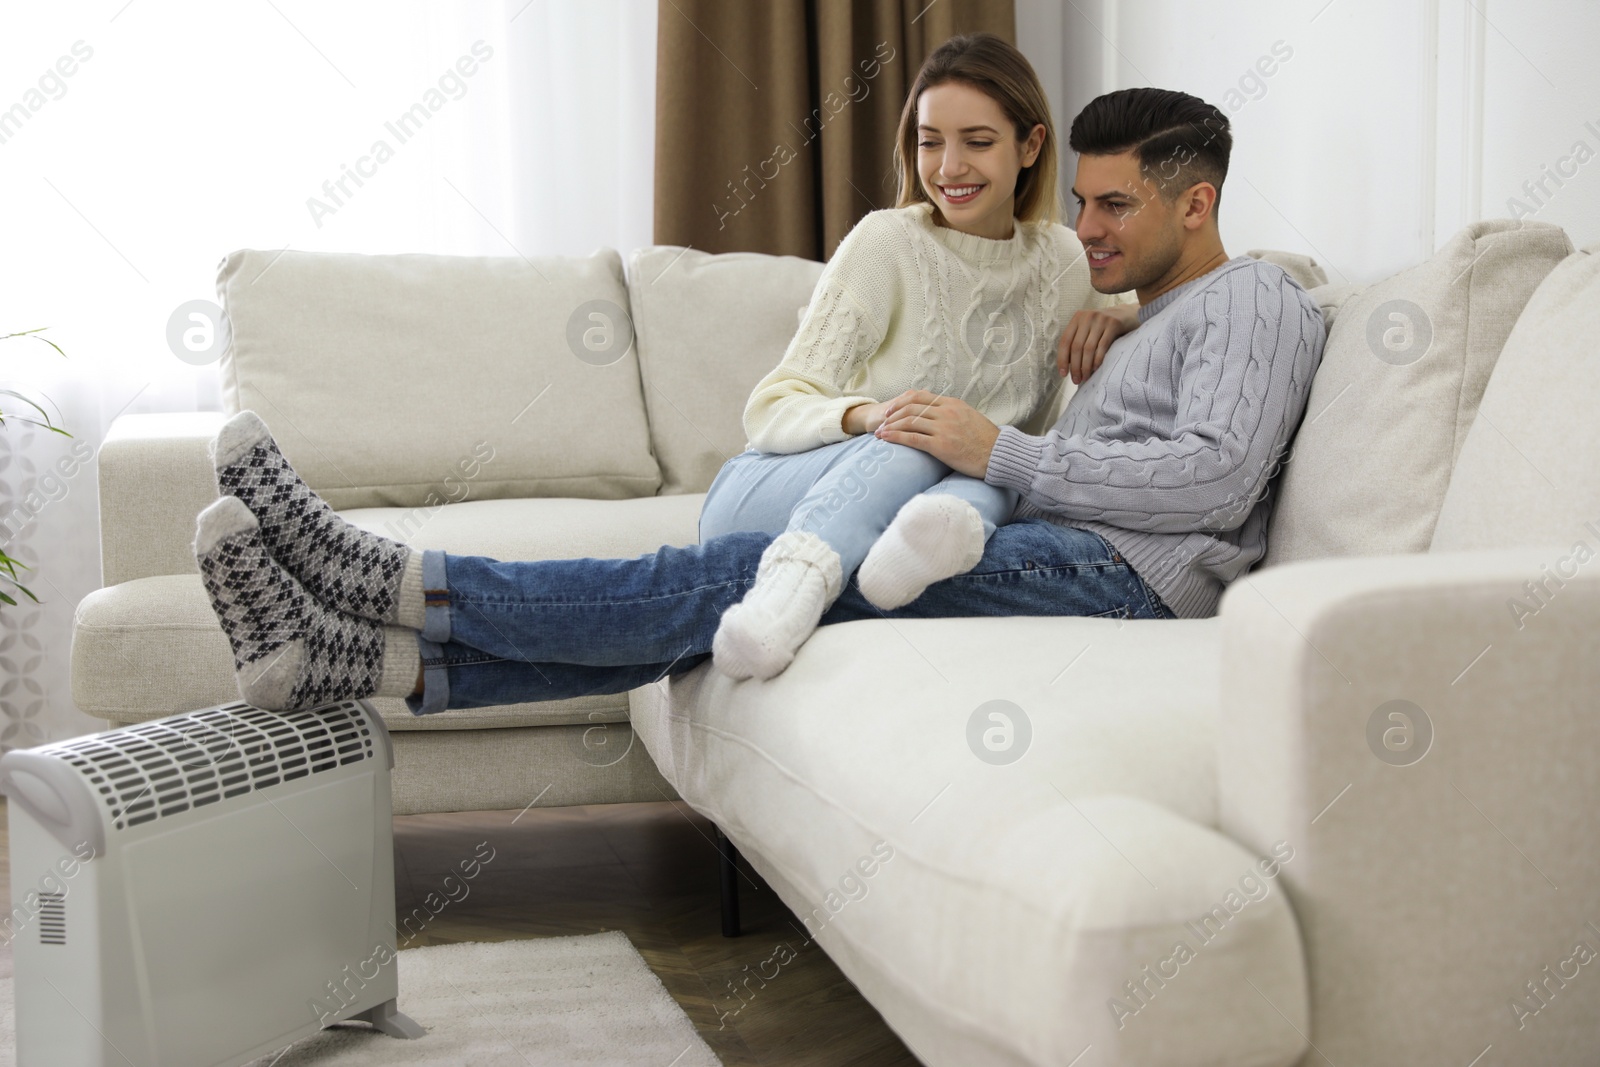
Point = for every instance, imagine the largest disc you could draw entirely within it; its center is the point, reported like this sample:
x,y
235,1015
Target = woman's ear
x,y
1033,145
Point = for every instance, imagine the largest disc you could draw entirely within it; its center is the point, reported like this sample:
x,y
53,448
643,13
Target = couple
x,y
1127,507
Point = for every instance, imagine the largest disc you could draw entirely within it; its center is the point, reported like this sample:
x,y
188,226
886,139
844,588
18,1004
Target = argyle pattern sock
x,y
341,565
290,652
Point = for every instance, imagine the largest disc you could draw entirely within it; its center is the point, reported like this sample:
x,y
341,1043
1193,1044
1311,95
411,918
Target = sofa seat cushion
x,y
548,528
993,911
152,647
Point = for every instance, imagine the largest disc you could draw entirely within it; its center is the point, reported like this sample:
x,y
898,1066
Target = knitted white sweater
x,y
907,304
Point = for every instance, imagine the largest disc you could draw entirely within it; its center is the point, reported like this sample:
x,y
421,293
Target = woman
x,y
961,291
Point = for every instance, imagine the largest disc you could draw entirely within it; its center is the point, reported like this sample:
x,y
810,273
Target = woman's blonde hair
x,y
988,64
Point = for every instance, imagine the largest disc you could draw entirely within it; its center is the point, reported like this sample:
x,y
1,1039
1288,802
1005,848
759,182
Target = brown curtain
x,y
776,119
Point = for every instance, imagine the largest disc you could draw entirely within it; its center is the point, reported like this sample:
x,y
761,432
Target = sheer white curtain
x,y
142,141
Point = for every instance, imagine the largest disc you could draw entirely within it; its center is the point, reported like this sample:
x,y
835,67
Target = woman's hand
x,y
864,418
1088,337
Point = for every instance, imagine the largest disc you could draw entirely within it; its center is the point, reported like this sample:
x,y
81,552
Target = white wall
x,y
1389,126
1534,66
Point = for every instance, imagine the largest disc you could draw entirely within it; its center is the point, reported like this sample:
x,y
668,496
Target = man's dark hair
x,y
1179,139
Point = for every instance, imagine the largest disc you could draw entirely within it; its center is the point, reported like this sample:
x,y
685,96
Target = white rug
x,y
559,1000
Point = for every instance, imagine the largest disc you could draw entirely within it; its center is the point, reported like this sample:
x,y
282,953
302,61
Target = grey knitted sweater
x,y
1171,448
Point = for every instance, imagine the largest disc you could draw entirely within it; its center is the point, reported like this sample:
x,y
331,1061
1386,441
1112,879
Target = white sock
x,y
798,579
935,536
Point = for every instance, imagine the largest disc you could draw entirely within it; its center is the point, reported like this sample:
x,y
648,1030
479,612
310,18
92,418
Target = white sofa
x,y
1369,719
1361,797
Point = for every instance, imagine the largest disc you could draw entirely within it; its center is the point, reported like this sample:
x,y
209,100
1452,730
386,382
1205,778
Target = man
x,y
1147,497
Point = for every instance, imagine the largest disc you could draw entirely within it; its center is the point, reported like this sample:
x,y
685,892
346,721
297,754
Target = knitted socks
x,y
797,580
933,537
341,565
290,652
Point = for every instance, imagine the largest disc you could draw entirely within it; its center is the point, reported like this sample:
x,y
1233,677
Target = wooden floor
x,y
649,870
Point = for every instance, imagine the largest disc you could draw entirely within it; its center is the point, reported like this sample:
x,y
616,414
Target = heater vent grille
x,y
52,918
155,769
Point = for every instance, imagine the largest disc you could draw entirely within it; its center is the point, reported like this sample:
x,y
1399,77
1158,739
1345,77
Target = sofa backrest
x,y
1528,474
709,328
1306,272
417,380
1402,374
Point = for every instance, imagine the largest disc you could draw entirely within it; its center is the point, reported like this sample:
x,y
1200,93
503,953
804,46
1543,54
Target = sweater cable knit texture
x,y
907,304
1171,448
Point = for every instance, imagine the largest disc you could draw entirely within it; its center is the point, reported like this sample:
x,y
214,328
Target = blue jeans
x,y
845,493
507,632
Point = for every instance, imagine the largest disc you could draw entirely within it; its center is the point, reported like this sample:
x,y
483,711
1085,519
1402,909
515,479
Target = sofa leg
x,y
727,862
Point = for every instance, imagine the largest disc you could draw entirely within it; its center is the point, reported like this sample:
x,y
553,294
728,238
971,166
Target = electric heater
x,y
203,889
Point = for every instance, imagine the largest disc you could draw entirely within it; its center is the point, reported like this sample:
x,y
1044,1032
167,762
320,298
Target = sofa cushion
x,y
1331,299
1307,272
1527,472
1402,373
152,647
415,379
709,328
550,528
995,911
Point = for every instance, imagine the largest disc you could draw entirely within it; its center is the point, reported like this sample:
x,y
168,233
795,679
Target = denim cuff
x,y
435,680
435,599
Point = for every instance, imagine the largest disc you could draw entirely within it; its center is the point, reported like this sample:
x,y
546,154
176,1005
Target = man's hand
x,y
1088,337
863,418
950,430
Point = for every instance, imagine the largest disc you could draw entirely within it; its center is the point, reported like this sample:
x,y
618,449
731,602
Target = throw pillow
x,y
1527,473
420,380
1402,373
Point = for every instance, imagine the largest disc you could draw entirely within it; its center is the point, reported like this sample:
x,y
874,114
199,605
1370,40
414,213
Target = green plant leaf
x,y
33,334
8,564
31,403
8,567
34,422
28,420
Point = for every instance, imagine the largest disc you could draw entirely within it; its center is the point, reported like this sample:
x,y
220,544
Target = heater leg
x,y
727,862
385,1018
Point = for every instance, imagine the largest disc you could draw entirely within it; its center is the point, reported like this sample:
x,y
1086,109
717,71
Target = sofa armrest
x,y
1423,730
155,477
